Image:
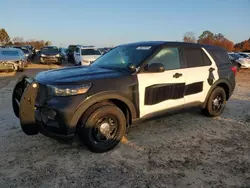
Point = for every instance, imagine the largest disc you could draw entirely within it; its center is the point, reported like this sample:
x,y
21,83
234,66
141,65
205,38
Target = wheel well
x,y
124,108
226,88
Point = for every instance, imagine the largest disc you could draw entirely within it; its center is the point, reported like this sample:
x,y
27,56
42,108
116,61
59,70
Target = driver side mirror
x,y
155,67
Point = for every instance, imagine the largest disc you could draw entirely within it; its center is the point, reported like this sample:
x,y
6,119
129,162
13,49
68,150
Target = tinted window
x,y
169,57
90,52
194,57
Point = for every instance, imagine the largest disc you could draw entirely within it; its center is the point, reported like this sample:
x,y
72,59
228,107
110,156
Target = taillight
x,y
234,69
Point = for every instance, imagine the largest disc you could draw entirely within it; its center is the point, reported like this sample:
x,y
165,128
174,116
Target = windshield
x,y
90,52
10,53
50,50
122,56
71,48
25,51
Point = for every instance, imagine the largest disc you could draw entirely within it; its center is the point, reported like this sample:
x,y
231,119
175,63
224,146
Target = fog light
x,y
48,115
34,85
51,115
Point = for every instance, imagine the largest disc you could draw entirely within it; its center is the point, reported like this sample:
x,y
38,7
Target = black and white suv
x,y
130,82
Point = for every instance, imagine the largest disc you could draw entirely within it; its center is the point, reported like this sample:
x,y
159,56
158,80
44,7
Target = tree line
x,y
207,37
5,40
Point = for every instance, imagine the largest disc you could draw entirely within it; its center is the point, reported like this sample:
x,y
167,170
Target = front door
x,y
163,90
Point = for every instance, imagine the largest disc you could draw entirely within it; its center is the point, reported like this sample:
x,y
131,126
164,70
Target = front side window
x,y
169,57
90,52
122,56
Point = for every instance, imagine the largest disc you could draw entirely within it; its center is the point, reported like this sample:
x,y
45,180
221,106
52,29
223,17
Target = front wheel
x,y
216,103
103,129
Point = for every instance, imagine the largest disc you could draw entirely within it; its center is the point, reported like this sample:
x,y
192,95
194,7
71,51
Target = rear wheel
x,y
216,103
102,128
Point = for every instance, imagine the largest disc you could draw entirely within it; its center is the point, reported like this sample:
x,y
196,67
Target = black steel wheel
x,y
103,128
216,102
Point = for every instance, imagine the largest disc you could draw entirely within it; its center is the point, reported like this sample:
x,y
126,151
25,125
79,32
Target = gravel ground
x,y
179,150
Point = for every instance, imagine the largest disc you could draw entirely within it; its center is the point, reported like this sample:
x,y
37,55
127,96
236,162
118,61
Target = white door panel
x,y
167,80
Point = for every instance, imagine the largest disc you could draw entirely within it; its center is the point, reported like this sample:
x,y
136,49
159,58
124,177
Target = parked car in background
x,y
32,50
71,50
245,55
239,60
49,55
85,55
26,51
64,53
12,59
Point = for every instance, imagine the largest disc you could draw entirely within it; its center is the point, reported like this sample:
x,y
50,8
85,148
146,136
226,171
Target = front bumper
x,y
37,113
48,59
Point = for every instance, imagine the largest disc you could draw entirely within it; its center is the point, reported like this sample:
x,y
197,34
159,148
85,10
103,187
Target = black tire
x,y
216,103
89,129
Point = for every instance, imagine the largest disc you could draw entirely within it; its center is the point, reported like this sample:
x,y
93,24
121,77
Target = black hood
x,y
76,74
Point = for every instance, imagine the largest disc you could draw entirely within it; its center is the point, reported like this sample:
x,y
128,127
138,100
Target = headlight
x,y
26,55
57,55
69,91
42,55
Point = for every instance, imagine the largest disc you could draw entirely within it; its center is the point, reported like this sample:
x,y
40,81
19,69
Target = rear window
x,y
195,57
220,56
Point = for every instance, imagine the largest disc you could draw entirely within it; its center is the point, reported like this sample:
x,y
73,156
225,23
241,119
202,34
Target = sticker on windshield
x,y
143,47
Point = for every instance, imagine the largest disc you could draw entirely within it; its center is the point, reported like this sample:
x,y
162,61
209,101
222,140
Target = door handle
x,y
177,75
211,69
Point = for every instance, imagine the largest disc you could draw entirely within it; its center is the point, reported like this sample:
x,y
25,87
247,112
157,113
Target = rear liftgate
x,y
23,103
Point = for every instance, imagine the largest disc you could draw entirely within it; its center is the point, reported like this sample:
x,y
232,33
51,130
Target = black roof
x,y
183,44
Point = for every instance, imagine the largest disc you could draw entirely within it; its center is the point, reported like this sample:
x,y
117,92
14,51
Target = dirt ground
x,y
179,150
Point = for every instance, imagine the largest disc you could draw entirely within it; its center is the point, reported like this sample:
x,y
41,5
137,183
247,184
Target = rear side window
x,y
220,56
195,57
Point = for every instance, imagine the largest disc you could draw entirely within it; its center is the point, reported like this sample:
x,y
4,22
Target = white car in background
x,y
244,54
242,61
85,55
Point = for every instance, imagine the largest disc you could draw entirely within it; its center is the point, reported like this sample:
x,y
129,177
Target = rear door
x,y
201,73
163,90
